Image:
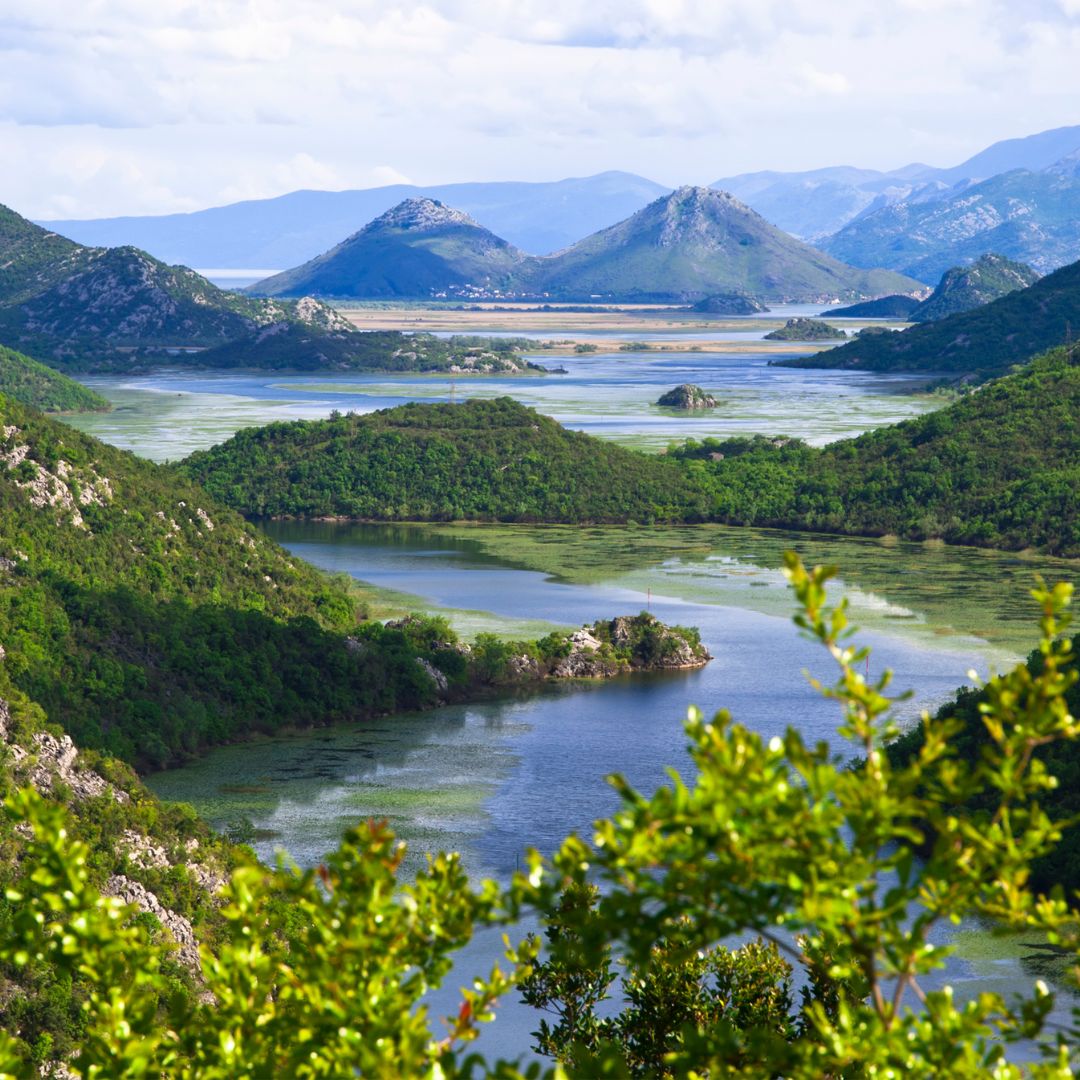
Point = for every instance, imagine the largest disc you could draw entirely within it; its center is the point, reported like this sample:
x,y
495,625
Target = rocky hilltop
x,y
629,643
697,242
803,329
964,288
109,308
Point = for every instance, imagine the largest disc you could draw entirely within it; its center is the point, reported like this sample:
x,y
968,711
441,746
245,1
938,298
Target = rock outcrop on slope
x,y
629,643
964,288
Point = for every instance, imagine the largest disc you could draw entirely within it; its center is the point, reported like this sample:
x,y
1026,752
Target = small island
x,y
896,306
729,304
803,329
687,396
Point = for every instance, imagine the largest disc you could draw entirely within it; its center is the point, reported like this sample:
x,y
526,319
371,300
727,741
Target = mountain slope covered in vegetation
x,y
27,381
697,242
999,468
964,288
418,248
974,344
481,461
689,245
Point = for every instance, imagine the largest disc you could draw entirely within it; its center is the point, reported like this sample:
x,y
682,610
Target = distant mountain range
x,y
976,344
541,218
685,246
1033,217
815,204
538,218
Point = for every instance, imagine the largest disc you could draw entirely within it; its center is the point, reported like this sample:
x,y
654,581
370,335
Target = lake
x,y
491,779
170,414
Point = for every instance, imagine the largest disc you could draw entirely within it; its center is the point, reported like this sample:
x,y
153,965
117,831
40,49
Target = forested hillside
x,y
1000,467
972,345
479,461
31,383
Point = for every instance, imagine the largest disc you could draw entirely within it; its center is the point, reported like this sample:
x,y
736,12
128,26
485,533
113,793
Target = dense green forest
x,y
482,460
1000,467
972,345
25,380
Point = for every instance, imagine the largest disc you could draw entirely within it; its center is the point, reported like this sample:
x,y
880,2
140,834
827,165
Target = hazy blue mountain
x,y
418,248
819,202
695,243
964,288
686,246
1032,152
1032,217
294,228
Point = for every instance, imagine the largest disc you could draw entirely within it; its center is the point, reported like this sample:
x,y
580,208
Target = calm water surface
x,y
168,415
490,780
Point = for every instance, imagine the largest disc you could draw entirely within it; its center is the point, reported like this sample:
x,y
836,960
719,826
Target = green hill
x,y
688,246
481,460
695,243
896,306
974,344
149,621
27,381
418,248
998,468
964,288
803,329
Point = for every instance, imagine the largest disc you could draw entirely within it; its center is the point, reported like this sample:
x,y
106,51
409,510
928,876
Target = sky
x,y
114,107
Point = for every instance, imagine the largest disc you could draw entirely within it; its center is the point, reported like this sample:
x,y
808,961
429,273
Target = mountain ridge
x,y
685,246
971,345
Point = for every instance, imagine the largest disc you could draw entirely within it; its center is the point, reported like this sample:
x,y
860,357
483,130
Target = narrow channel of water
x,y
489,780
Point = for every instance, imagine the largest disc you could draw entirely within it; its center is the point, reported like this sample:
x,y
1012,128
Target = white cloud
x,y
120,106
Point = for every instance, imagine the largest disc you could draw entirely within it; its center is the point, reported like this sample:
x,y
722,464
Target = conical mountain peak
x,y
422,213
